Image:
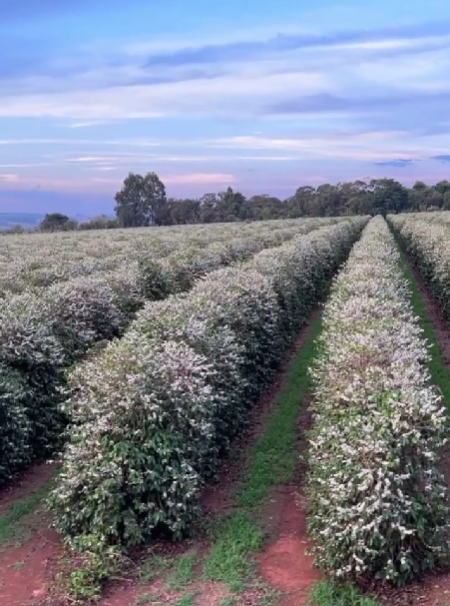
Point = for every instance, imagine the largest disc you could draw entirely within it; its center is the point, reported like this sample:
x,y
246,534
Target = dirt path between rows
x,y
284,563
25,555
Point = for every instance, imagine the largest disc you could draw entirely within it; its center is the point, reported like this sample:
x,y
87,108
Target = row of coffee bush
x,y
35,261
154,412
377,502
44,332
425,240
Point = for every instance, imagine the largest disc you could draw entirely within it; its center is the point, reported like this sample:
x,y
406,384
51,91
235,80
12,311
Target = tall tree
x,y
56,222
389,196
231,205
301,204
141,201
208,204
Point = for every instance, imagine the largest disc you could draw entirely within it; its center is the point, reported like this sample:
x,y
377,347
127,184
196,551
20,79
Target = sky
x,y
258,95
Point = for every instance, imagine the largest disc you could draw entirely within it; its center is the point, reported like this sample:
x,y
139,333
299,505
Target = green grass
x,y
151,567
439,372
228,560
273,458
185,600
272,461
16,523
326,593
182,572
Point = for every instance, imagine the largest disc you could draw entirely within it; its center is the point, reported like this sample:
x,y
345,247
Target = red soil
x,y
284,563
23,569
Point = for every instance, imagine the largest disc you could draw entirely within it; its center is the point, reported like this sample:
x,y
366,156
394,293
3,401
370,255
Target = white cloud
x,y
86,124
90,159
370,147
245,89
111,81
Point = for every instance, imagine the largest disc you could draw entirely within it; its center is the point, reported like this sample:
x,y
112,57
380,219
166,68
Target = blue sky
x,y
260,95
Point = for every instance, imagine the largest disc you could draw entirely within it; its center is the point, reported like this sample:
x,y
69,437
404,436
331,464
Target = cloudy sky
x,y
260,95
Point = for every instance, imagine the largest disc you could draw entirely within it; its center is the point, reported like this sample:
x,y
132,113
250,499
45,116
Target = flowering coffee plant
x,y
153,413
377,501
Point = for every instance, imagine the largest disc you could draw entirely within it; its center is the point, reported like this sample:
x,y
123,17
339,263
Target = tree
x,y
446,205
182,212
55,222
231,205
328,200
16,229
302,202
99,222
141,201
208,204
442,187
389,196
264,207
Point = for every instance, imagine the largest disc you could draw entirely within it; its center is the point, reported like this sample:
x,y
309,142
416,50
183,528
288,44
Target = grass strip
x,y
327,593
13,524
273,458
228,561
272,461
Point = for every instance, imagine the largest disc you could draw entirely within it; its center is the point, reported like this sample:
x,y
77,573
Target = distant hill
x,y
28,220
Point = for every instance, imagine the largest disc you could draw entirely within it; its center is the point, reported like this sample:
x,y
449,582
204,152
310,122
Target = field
x,y
215,415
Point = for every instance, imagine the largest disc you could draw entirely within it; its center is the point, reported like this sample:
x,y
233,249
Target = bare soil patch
x,y
284,563
23,570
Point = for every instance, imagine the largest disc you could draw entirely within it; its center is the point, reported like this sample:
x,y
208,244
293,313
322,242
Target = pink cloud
x,y
9,178
199,179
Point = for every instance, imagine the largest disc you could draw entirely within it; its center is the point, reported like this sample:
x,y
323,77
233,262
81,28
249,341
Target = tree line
x,y
142,201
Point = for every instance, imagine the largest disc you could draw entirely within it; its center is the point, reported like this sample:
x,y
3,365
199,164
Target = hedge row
x,y
177,272
154,412
377,502
426,243
42,334
36,261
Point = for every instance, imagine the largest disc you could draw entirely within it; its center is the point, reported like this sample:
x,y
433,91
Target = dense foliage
x,y
378,196
40,260
154,411
377,502
426,238
63,301
142,201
